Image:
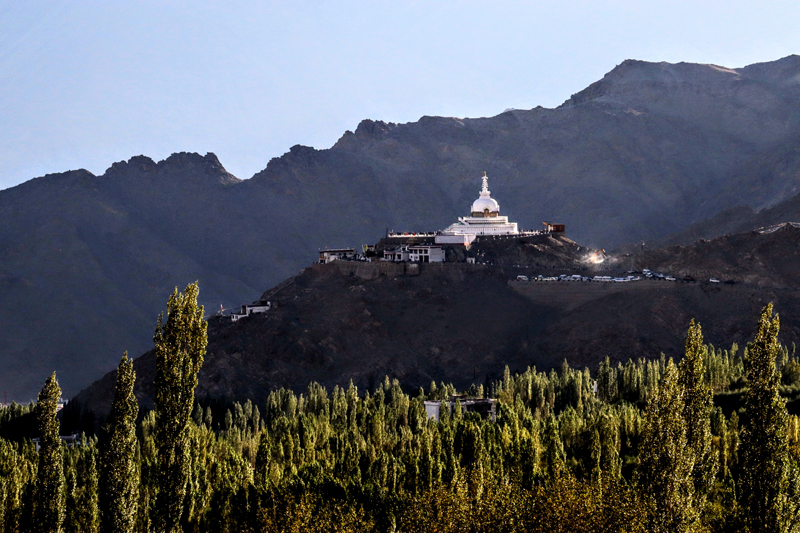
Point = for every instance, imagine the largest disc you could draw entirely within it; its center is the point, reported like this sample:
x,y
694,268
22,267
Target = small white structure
x,y
484,219
69,440
415,253
425,253
482,406
251,309
397,254
335,254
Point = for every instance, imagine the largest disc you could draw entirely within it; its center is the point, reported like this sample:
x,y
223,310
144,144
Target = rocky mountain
x,y
769,257
461,323
87,261
738,219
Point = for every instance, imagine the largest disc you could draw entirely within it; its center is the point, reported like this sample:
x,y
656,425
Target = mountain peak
x,y
178,165
372,128
140,163
636,81
784,71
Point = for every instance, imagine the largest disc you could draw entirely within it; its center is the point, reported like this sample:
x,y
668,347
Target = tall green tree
x,y
554,458
49,509
180,348
82,514
698,401
119,475
665,465
764,444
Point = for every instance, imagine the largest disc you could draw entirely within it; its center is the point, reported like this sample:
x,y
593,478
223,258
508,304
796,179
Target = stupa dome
x,y
485,201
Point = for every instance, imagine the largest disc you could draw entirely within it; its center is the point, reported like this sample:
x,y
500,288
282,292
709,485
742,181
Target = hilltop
x,y
644,152
462,324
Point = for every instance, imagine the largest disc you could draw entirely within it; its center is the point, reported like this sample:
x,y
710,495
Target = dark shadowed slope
x,y
652,147
455,323
739,219
769,257
87,261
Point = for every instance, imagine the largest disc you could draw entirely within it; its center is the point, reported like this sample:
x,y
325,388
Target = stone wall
x,y
385,268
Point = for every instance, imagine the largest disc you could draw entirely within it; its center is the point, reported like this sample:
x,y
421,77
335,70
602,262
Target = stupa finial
x,y
485,188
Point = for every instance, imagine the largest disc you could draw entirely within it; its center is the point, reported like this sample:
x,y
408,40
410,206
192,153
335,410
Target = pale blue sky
x,y
84,84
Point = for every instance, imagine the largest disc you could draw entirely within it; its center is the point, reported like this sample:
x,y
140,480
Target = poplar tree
x,y
665,467
554,457
119,476
698,401
49,510
764,444
180,346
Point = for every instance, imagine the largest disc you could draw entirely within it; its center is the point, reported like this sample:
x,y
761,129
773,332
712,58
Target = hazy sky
x,y
84,84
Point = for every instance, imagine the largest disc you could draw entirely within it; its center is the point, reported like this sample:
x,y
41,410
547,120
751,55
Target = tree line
x,y
705,444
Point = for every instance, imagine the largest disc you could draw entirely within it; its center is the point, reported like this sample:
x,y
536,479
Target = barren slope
x,y
464,323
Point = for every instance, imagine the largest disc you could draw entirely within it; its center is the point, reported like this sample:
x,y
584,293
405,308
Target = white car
x,y
522,278
714,280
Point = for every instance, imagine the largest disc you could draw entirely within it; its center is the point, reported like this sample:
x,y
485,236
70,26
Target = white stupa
x,y
485,219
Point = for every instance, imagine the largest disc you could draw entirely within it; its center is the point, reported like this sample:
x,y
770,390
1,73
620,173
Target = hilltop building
x,y
483,406
484,223
416,253
553,227
251,309
333,254
484,219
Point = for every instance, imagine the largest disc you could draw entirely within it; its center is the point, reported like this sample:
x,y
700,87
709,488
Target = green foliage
x,y
647,452
17,478
180,346
665,472
764,443
82,514
698,402
48,508
119,479
18,421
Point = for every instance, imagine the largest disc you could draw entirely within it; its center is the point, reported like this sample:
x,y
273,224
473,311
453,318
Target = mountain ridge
x,y
88,259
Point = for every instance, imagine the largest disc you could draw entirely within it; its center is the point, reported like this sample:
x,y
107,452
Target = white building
x,y
415,253
334,254
482,406
69,440
396,254
485,219
251,309
425,253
